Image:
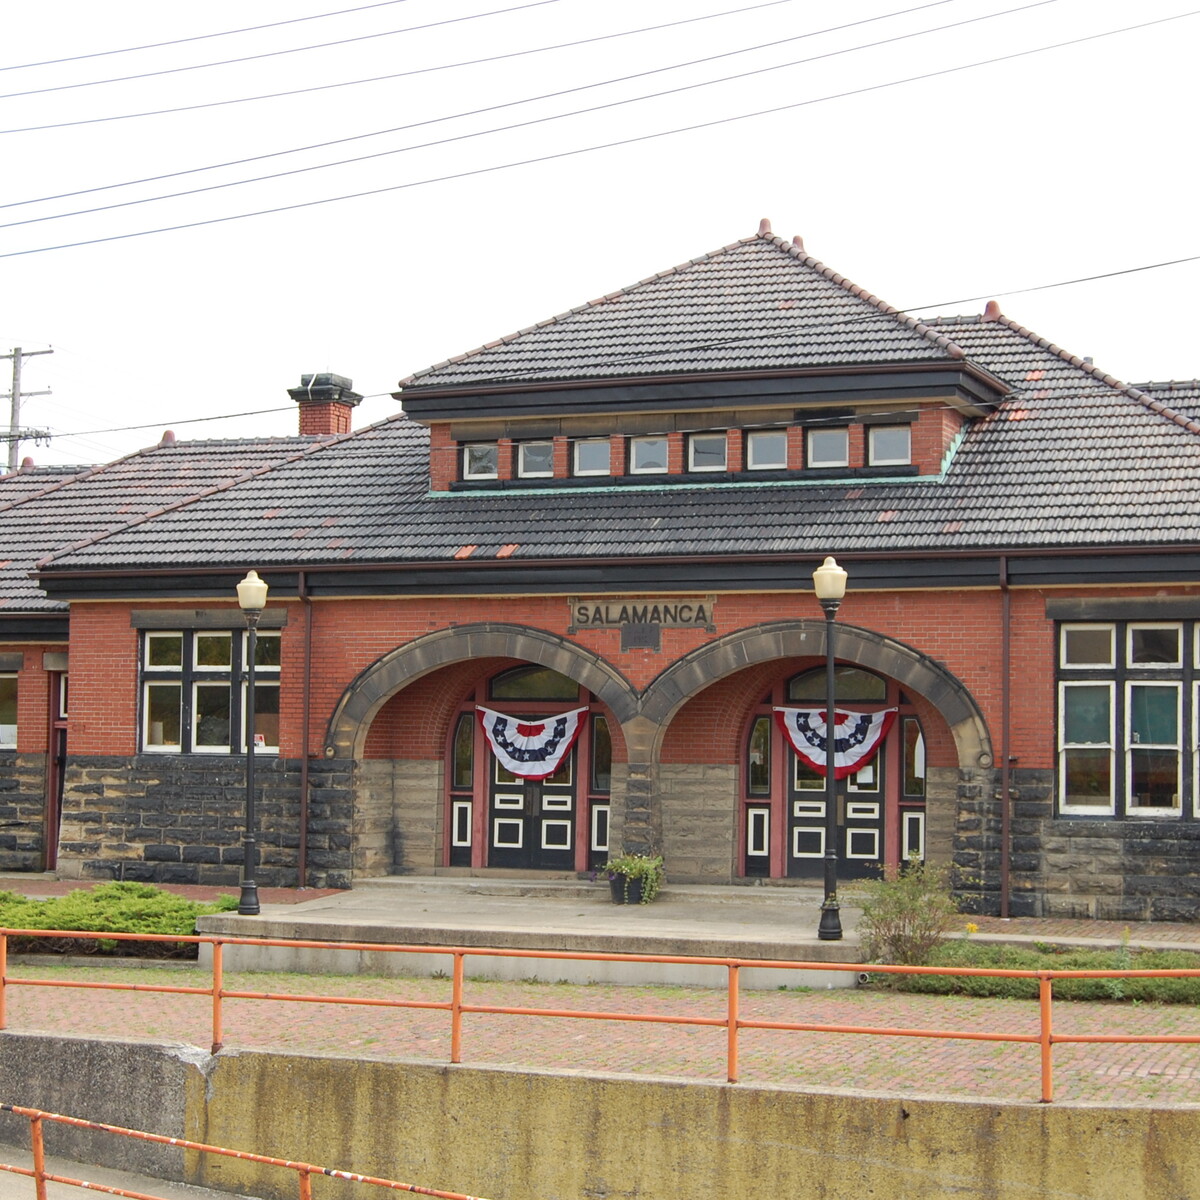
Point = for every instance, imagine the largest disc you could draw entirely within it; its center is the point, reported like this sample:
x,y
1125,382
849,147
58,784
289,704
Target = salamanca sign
x,y
612,614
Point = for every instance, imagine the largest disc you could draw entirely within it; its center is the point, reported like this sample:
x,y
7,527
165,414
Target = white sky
x,y
1067,163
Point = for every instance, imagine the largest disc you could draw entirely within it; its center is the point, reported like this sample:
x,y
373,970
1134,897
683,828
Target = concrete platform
x,y
775,923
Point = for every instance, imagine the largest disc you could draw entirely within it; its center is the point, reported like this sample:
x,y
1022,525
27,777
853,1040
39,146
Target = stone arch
x,y
351,719
794,639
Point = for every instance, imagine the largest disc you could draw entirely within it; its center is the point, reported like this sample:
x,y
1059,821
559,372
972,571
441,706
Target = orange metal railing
x,y
304,1171
732,1022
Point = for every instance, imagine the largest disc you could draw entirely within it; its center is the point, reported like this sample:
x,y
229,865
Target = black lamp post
x,y
829,582
252,599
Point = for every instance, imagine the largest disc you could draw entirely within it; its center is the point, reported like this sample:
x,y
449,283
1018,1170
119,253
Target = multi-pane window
x,y
648,455
889,445
194,692
766,450
707,452
535,460
828,447
1127,704
8,712
481,460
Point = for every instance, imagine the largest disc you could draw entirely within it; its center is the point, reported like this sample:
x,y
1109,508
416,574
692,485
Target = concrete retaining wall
x,y
531,1136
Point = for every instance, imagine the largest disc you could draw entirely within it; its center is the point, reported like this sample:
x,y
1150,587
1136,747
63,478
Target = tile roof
x,y
761,303
1071,459
1181,395
46,509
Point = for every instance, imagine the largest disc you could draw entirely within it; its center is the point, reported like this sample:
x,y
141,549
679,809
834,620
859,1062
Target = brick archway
x,y
796,639
351,719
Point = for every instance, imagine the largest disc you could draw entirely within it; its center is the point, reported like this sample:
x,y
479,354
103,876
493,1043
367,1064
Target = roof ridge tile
x,y
798,251
215,489
1128,389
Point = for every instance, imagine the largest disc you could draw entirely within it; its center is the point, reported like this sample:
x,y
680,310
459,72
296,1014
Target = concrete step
x,y
572,887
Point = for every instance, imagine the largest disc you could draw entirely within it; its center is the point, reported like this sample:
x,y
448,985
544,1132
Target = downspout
x,y
1005,731
305,705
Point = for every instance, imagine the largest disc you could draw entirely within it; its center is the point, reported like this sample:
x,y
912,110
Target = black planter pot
x,y
622,894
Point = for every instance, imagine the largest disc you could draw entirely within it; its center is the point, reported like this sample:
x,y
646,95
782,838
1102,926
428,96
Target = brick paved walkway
x,y
1141,1074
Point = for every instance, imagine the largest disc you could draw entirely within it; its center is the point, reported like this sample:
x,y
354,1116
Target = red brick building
x,y
619,510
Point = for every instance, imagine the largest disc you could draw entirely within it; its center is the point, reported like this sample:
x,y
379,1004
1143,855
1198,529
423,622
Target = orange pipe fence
x,y
732,1022
304,1171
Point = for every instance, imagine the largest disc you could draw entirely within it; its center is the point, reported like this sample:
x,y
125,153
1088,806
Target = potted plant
x,y
634,878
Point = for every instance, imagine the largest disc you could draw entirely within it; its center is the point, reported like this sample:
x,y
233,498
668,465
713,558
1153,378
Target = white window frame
x,y
1153,666
1132,808
811,434
1064,807
876,460
9,741
211,682
756,437
581,442
1085,625
152,636
260,684
634,443
523,472
149,747
467,473
714,436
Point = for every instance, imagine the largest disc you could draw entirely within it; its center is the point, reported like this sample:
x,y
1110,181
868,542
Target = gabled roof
x,y
1072,459
758,304
46,509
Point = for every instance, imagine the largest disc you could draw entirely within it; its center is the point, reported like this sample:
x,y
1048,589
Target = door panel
x,y
531,823
860,821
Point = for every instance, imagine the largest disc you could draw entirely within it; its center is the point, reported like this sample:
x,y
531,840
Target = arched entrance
x,y
880,818
498,818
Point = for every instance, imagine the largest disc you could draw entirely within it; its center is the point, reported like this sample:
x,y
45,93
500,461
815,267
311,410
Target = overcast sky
x,y
1045,167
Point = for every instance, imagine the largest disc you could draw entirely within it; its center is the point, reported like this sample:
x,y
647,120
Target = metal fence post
x,y
731,1019
1045,999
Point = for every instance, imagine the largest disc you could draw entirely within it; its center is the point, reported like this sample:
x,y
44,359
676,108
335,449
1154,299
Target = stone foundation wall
x,y
418,815
699,806
179,819
22,811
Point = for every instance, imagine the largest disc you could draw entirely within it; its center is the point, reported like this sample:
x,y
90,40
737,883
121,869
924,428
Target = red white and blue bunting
x,y
856,736
531,749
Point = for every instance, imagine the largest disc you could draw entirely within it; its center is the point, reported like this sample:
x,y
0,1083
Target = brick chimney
x,y
326,402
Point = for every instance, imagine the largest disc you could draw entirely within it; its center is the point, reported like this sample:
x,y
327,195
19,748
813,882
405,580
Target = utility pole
x,y
14,427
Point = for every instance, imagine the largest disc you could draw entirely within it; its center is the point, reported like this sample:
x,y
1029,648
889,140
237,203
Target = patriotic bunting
x,y
856,736
535,748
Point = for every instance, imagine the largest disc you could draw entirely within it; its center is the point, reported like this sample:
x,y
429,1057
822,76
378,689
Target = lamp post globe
x,y
252,599
829,583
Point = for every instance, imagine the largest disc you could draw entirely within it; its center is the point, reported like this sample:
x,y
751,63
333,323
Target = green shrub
x,y
962,952
906,913
107,908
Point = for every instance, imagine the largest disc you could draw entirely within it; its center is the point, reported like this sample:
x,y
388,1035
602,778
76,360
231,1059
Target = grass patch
x,y
108,908
962,952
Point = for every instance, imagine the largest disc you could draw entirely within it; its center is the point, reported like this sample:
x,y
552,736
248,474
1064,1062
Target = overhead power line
x,y
1045,287
199,37
540,120
365,37
471,62
477,171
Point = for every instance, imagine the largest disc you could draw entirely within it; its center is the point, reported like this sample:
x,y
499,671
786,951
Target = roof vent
x,y
326,402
